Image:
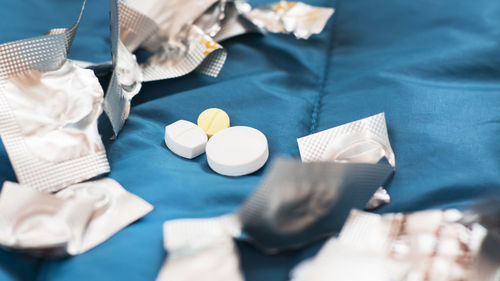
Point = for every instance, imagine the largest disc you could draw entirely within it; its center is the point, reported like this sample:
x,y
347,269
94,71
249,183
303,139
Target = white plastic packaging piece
x,y
201,249
185,139
361,141
69,222
237,151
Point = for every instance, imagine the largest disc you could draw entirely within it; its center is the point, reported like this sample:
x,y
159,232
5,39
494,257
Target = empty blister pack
x,y
41,223
362,141
201,249
69,222
48,112
291,17
127,77
297,202
177,45
429,245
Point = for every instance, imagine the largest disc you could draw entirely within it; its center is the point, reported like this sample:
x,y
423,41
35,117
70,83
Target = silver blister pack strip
x,y
204,55
42,53
135,28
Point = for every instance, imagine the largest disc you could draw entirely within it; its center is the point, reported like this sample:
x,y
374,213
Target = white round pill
x,y
185,139
237,151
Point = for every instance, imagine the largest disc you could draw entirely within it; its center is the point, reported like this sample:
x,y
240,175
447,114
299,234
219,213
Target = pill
x,y
185,139
213,120
237,151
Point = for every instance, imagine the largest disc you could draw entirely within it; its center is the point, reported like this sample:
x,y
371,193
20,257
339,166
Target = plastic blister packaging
x,y
429,245
48,112
361,141
297,202
69,222
201,249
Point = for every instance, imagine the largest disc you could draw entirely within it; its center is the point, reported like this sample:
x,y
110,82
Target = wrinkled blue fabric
x,y
432,66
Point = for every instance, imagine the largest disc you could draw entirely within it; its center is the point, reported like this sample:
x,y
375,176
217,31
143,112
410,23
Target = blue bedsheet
x,y
432,66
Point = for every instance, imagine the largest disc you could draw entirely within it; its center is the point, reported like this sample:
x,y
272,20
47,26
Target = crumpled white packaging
x,y
291,17
127,77
178,45
48,112
183,35
69,222
362,141
341,262
201,249
167,30
429,245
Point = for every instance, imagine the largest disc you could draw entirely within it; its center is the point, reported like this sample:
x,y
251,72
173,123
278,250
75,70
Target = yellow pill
x,y
213,120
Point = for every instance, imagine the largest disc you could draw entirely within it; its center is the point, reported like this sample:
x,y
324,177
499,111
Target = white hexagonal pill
x,y
185,139
237,151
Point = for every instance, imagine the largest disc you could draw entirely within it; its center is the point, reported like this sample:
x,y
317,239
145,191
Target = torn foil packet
x,y
182,37
297,202
48,112
127,77
179,46
201,249
362,141
291,17
69,222
338,261
167,30
429,245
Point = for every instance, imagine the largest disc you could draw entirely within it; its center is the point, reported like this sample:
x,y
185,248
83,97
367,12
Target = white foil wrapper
x,y
234,23
48,112
201,249
69,222
362,141
291,17
339,261
114,208
32,220
165,28
429,245
297,202
180,46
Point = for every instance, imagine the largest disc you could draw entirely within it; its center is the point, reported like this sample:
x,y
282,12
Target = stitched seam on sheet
x,y
322,81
